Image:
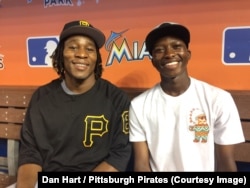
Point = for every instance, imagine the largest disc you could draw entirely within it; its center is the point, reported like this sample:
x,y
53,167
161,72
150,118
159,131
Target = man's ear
x,y
189,54
153,63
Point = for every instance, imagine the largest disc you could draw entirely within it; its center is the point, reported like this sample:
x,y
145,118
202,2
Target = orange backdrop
x,y
124,59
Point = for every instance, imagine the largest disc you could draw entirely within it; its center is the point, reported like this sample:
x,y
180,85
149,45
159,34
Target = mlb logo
x,y
39,50
236,46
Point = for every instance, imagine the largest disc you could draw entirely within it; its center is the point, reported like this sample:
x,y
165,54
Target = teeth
x,y
81,65
173,63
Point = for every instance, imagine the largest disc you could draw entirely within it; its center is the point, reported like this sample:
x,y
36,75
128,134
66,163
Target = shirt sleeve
x,y
228,128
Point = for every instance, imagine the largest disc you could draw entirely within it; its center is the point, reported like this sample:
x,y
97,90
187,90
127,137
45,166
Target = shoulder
x,y
116,95
148,94
109,88
46,89
202,86
211,93
106,84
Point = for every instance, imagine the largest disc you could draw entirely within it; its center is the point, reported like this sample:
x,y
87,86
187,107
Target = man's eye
x,y
90,49
158,50
72,47
177,46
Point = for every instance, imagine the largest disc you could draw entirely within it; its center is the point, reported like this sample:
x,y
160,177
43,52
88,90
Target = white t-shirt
x,y
181,131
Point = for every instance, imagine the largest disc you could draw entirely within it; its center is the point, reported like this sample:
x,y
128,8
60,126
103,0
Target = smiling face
x,y
80,56
170,57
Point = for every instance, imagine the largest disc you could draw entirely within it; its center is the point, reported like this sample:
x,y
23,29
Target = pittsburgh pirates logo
x,y
98,126
94,126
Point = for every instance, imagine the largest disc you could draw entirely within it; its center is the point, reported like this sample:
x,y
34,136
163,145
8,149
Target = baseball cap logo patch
x,y
84,23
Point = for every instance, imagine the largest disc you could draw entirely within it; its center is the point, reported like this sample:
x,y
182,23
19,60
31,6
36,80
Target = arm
x,y
27,175
141,157
228,133
224,157
105,167
120,148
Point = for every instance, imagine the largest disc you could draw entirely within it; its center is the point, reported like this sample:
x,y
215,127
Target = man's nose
x,y
81,52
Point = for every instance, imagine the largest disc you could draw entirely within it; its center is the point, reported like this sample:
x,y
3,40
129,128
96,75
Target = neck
x,y
175,86
79,86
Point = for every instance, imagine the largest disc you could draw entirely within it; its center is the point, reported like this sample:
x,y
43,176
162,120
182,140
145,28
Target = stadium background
x,y
207,21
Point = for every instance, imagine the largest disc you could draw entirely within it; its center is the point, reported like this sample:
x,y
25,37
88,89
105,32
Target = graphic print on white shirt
x,y
199,125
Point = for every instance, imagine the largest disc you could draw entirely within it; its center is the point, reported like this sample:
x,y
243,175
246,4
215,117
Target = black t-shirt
x,y
65,132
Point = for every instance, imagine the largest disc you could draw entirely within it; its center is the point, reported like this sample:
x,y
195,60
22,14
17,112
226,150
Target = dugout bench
x,y
15,99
